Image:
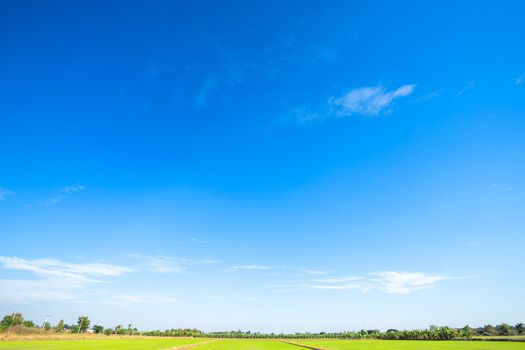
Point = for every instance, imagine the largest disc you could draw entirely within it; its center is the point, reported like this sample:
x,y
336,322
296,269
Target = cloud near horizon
x,y
255,267
57,280
391,282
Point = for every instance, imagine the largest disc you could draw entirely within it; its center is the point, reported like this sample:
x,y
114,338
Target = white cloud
x,y
73,188
25,291
520,79
167,264
65,191
370,101
61,281
58,268
55,280
4,193
314,272
469,85
405,282
342,279
141,299
254,267
160,263
392,282
430,95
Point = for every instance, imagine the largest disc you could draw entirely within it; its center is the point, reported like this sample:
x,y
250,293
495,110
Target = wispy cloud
x,y
405,282
128,299
369,101
167,264
160,263
58,280
255,267
4,193
53,279
199,241
314,272
520,79
25,291
62,193
58,268
392,282
430,95
469,85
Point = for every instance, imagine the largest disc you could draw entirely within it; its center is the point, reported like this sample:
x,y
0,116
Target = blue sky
x,y
263,166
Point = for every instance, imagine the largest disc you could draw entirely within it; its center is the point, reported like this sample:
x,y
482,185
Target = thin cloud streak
x,y
160,263
369,101
469,85
58,268
255,267
430,95
59,281
61,195
391,282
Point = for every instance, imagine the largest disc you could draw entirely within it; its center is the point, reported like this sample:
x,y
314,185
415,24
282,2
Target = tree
x,y
47,326
505,329
467,332
98,329
520,328
15,319
28,323
60,326
489,330
83,324
108,331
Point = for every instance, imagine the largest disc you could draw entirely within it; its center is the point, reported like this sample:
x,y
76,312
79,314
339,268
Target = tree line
x,y
16,323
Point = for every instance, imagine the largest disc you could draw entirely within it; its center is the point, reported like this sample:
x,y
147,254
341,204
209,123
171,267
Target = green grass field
x,y
233,344
244,344
99,344
411,345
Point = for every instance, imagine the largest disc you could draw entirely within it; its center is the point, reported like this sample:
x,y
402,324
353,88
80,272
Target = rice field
x,y
244,344
410,345
100,344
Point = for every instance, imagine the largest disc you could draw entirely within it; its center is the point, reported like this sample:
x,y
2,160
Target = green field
x,y
242,344
99,344
411,345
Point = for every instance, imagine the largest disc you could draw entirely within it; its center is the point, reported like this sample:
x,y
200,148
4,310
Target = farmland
x,y
144,343
410,345
100,344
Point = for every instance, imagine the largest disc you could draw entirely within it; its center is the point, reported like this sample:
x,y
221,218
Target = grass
x,y
99,344
247,344
410,345
244,344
